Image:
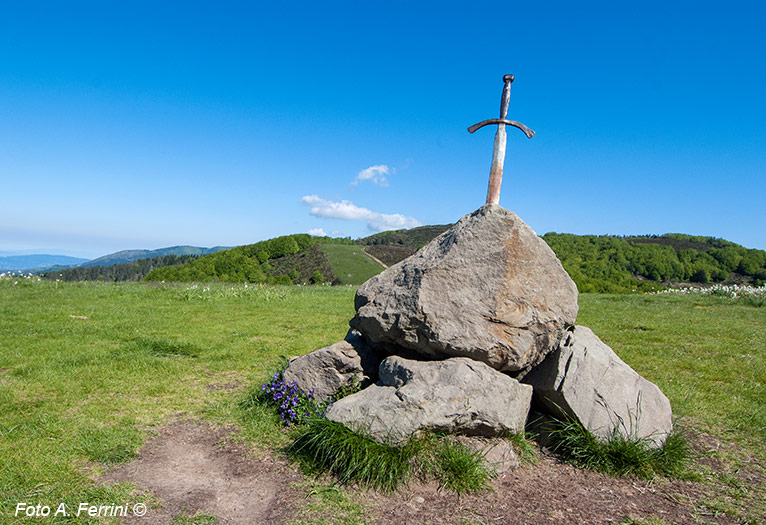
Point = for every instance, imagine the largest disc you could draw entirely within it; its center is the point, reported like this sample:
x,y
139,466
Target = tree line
x,y
605,264
132,271
618,264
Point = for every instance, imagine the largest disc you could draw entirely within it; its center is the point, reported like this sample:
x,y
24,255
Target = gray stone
x,y
488,288
457,395
327,370
583,378
498,453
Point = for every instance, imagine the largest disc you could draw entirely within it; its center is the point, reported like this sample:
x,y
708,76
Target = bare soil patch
x,y
548,492
194,468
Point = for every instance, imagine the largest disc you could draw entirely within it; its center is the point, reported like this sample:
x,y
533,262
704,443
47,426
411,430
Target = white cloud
x,y
348,211
375,174
317,232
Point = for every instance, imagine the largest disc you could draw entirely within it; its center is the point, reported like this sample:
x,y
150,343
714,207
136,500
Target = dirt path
x,y
192,468
384,265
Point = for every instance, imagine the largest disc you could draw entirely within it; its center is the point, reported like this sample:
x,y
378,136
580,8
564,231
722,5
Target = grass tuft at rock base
x,y
329,446
325,445
619,455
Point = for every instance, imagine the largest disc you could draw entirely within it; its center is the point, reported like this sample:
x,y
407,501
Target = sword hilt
x,y
505,101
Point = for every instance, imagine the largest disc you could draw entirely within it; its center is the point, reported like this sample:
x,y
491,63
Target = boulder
x,y
498,453
327,370
488,288
584,379
457,395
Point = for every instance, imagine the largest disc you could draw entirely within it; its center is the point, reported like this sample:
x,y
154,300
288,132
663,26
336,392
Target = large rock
x,y
325,371
488,288
583,378
457,395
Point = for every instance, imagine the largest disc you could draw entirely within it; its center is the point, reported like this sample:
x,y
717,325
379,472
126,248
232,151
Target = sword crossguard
x,y
528,132
505,101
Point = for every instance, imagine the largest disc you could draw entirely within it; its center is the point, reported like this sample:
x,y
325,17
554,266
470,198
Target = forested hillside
x,y
608,264
252,263
132,271
412,238
619,264
613,264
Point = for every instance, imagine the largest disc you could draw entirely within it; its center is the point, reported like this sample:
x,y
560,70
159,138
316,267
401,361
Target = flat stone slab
x,y
457,395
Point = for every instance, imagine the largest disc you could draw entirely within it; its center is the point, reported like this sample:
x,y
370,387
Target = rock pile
x,y
458,336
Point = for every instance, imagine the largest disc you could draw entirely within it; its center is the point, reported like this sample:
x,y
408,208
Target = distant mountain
x,y
126,256
31,262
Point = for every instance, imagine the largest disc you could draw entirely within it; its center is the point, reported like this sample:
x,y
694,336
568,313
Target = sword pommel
x,y
507,78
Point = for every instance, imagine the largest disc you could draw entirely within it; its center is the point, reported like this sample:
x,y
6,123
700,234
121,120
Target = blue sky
x,y
150,124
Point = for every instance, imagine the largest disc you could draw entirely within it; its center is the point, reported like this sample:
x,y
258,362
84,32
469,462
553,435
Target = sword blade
x,y
496,171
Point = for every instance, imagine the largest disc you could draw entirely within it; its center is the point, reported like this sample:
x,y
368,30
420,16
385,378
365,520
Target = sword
x,y
498,154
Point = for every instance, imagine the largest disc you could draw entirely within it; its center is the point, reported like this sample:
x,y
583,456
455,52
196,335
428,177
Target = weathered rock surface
x,y
489,289
585,379
498,453
327,370
457,395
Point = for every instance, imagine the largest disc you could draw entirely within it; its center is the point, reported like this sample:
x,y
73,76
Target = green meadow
x,y
87,370
351,264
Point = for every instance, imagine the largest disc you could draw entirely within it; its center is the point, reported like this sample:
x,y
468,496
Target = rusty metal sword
x,y
498,155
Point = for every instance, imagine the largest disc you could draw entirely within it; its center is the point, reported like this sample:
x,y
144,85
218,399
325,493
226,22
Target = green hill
x,y
308,266
604,263
351,264
619,264
282,260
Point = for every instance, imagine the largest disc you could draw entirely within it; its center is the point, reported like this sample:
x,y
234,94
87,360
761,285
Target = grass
x,y
351,264
330,503
707,354
196,519
324,445
80,393
522,445
459,469
619,455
